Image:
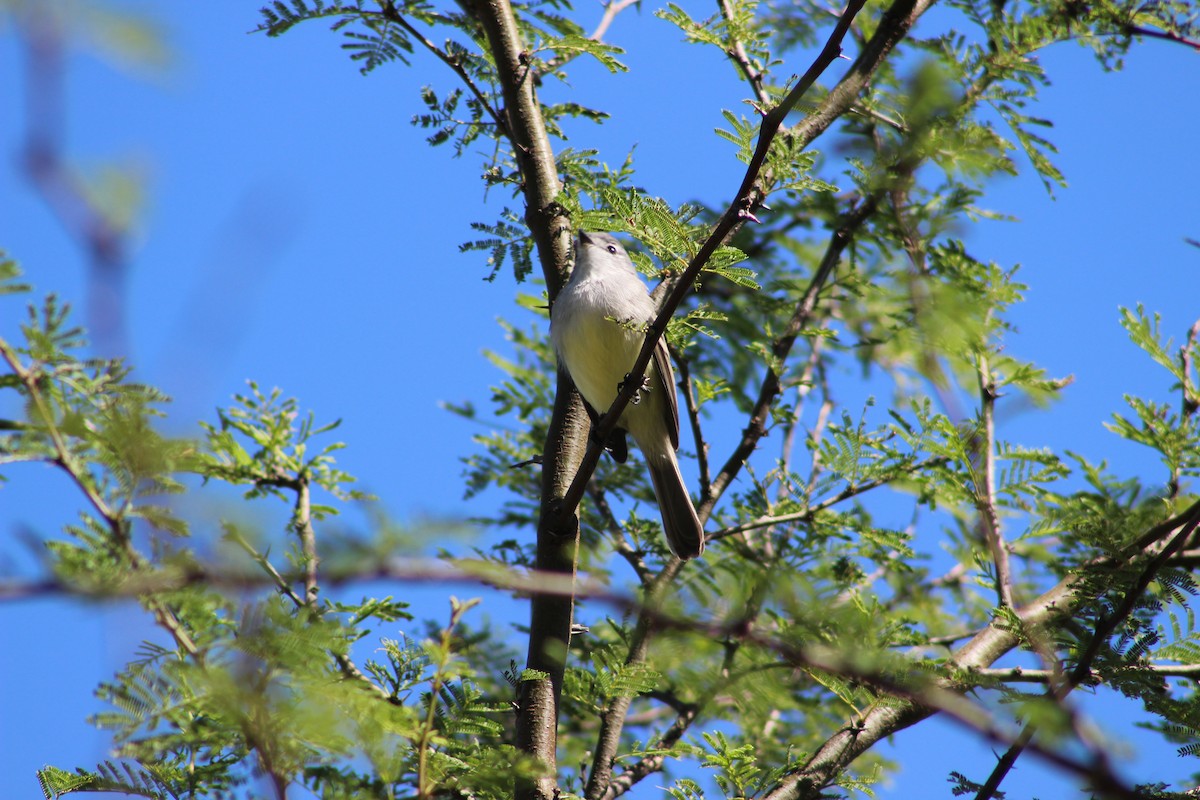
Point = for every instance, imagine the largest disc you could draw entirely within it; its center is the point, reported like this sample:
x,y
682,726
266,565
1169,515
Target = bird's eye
x,y
612,248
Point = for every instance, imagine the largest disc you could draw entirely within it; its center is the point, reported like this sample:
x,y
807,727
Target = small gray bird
x,y
598,324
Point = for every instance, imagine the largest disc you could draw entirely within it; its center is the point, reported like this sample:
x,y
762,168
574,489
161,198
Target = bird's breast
x,y
598,330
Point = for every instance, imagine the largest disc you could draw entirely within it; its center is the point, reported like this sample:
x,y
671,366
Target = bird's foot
x,y
637,396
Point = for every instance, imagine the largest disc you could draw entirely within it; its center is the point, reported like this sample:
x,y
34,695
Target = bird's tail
x,y
685,535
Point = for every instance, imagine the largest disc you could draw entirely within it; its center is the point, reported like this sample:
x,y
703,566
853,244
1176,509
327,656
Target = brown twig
x,y
818,431
737,53
781,348
985,483
117,523
622,546
1167,36
807,514
284,585
1187,354
804,385
388,11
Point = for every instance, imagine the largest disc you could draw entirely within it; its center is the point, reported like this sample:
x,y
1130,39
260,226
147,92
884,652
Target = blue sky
x,y
299,232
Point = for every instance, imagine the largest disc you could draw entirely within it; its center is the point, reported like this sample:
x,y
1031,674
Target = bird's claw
x,y
637,395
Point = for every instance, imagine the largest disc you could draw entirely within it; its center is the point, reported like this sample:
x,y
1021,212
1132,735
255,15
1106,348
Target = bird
x,y
598,325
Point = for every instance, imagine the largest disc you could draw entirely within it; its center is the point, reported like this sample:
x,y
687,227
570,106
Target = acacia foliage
x,y
815,625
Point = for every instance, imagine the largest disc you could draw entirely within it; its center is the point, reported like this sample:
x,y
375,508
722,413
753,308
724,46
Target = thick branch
x,y
548,221
1022,675
1058,690
558,533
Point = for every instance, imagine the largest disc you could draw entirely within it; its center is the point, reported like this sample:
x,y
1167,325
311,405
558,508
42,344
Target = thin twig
x,y
611,9
1151,33
284,585
635,558
781,349
804,385
816,434
737,53
810,512
388,11
302,522
1187,354
118,526
985,484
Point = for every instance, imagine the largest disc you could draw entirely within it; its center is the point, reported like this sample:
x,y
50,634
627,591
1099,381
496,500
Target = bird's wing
x,y
662,360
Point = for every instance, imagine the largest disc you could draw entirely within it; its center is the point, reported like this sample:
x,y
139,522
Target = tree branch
x,y
611,9
738,210
388,11
557,531
1105,627
302,523
810,512
117,523
985,484
612,719
737,53
807,780
1023,675
772,382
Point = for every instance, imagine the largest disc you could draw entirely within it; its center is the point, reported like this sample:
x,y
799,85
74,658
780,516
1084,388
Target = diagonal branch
x,y
807,781
388,11
736,51
1105,627
738,210
773,381
611,9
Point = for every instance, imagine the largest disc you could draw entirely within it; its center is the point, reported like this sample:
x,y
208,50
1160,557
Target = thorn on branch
x,y
527,462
